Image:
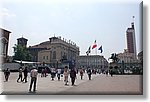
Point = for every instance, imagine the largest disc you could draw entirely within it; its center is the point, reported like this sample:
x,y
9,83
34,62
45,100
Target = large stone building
x,y
34,50
93,61
127,57
4,41
55,51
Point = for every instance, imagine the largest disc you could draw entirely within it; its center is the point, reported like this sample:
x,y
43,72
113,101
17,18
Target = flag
x,y
89,51
100,49
94,45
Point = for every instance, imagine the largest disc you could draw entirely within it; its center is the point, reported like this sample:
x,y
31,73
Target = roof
x,y
22,38
5,30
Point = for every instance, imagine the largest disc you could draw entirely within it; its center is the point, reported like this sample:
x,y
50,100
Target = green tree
x,y
21,53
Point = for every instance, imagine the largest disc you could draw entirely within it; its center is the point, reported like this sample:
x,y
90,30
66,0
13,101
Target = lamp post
x,y
57,63
123,67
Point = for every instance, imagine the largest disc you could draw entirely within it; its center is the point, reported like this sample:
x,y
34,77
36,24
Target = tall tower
x,y
131,42
22,41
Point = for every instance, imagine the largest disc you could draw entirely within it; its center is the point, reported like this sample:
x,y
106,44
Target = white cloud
x,y
4,12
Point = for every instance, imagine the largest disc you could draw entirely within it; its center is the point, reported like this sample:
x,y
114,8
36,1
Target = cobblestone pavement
x,y
100,84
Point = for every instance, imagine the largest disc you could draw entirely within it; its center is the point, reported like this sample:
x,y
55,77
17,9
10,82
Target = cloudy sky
x,y
82,22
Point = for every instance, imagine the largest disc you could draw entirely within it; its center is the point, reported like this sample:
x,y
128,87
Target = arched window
x,y
54,54
3,45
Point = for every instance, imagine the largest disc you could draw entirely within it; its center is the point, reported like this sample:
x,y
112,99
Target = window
x,y
3,46
54,55
43,57
50,55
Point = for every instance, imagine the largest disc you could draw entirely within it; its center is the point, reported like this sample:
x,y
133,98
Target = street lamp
x,y
57,63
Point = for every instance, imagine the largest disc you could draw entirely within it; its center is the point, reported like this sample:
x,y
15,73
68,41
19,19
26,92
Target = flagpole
x,y
96,51
96,58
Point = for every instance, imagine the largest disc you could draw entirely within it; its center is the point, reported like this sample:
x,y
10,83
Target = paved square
x,y
100,84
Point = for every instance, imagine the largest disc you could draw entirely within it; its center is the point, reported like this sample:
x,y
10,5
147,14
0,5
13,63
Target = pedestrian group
x,y
34,73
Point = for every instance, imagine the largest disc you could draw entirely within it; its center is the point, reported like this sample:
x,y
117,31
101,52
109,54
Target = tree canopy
x,y
21,53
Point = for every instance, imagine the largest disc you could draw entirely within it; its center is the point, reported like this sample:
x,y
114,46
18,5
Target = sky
x,y
82,22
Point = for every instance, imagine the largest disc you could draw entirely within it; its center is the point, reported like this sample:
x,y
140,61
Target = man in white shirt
x,y
58,74
33,74
53,73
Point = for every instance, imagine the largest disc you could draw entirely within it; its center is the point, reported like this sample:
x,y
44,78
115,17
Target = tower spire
x,y
133,17
132,24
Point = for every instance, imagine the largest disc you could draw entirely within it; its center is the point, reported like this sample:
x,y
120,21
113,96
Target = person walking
x,y
73,76
20,75
81,73
33,75
111,72
25,75
45,72
53,73
58,74
7,74
66,74
42,72
106,72
89,73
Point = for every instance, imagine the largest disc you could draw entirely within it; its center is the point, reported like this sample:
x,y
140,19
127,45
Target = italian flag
x,y
94,45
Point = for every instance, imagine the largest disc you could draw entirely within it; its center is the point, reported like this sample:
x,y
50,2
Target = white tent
x,y
26,62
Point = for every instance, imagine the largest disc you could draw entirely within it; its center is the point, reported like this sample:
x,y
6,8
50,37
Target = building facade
x,y
22,41
4,42
93,61
55,51
34,52
129,64
127,57
131,41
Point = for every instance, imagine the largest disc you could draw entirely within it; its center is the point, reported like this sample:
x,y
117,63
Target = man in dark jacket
x,y
25,74
89,73
7,73
73,76
20,74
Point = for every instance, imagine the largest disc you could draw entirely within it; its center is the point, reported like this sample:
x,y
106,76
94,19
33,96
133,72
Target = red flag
x,y
94,46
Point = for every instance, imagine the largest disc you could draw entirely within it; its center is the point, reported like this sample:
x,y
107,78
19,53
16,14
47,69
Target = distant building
x,y
131,41
129,64
4,41
34,50
140,57
127,57
55,51
22,41
93,61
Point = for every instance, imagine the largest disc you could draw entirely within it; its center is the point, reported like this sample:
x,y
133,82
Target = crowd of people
x,y
54,73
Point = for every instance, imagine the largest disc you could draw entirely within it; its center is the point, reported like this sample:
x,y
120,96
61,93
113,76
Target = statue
x,y
113,69
114,57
